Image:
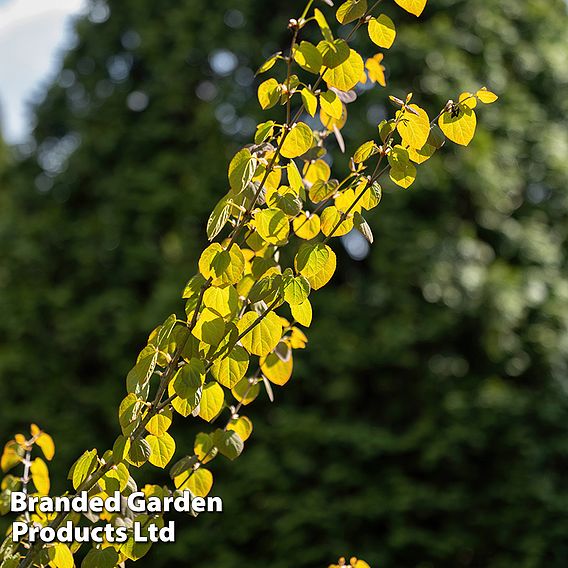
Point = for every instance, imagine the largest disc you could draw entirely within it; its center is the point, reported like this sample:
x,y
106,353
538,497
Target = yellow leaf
x,y
459,124
275,369
402,172
332,123
365,151
382,31
317,262
331,104
346,75
485,96
413,128
330,218
199,482
60,556
372,196
242,426
318,170
11,456
415,7
376,70
159,424
163,448
302,313
45,442
264,336
307,226
310,101
344,201
224,301
224,267
468,99
232,368
211,401
40,476
298,141
209,328
269,93
272,225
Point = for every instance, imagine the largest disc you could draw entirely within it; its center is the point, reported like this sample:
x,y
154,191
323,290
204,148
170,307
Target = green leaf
x,y
269,63
228,443
245,392
365,151
187,384
212,401
138,377
323,25
129,413
232,368
346,75
308,57
269,93
139,452
264,336
204,447
296,289
382,31
264,131
316,262
351,10
298,141
218,218
334,52
272,225
83,468
162,447
241,170
101,558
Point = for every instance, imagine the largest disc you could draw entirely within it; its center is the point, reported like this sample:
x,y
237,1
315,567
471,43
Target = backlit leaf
x,y
212,401
346,75
415,7
163,448
382,31
298,141
316,262
264,336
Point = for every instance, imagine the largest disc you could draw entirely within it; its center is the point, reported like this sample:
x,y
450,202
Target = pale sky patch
x,y
33,34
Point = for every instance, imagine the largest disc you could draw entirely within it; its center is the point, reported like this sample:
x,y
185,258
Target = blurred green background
x,y
426,425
